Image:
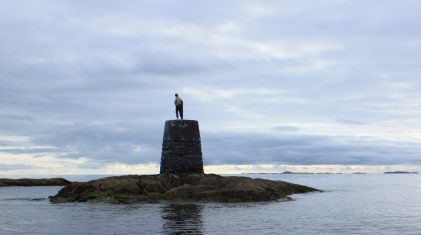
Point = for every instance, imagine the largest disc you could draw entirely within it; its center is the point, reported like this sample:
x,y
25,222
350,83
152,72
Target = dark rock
x,y
400,172
34,182
197,187
181,148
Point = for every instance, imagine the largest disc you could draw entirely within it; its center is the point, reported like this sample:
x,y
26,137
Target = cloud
x,y
270,82
11,167
252,148
35,150
107,143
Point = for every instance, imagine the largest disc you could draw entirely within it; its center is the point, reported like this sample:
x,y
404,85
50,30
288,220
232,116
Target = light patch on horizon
x,y
11,138
269,168
23,170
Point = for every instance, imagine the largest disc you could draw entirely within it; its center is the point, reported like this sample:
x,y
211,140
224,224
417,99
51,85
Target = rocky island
x,y
181,178
198,187
34,182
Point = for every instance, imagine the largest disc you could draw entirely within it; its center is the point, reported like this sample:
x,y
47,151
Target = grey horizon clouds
x,y
291,82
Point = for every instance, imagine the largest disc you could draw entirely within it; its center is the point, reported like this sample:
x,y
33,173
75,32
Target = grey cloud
x,y
28,150
107,143
70,82
16,117
10,167
285,128
252,148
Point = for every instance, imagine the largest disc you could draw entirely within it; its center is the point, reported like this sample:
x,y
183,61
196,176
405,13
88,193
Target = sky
x,y
321,86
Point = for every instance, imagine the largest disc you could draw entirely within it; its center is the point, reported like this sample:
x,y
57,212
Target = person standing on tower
x,y
178,106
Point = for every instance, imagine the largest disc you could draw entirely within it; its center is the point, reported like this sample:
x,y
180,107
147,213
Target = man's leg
x,y
176,111
181,111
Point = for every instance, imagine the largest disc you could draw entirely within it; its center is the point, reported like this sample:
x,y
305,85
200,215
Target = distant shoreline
x,y
325,173
300,173
401,172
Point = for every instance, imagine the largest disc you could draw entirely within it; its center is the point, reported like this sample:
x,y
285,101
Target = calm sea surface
x,y
351,204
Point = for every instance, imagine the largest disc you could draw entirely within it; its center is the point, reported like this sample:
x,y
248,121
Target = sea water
x,y
350,204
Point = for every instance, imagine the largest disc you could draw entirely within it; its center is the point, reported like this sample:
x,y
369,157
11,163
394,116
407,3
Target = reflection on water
x,y
182,219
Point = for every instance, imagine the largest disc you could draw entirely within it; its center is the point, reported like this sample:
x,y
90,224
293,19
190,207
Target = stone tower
x,y
181,148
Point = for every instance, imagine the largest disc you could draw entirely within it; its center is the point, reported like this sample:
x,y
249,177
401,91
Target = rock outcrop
x,y
197,187
34,182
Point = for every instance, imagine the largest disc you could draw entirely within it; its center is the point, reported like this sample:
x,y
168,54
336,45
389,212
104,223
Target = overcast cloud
x,y
271,82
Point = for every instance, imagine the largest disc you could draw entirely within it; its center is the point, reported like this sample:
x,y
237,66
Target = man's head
x,y
176,95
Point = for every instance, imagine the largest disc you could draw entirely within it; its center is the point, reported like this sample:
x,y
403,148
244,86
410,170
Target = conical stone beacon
x,y
181,148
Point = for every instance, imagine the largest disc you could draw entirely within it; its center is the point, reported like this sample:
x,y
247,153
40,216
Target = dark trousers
x,y
179,109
